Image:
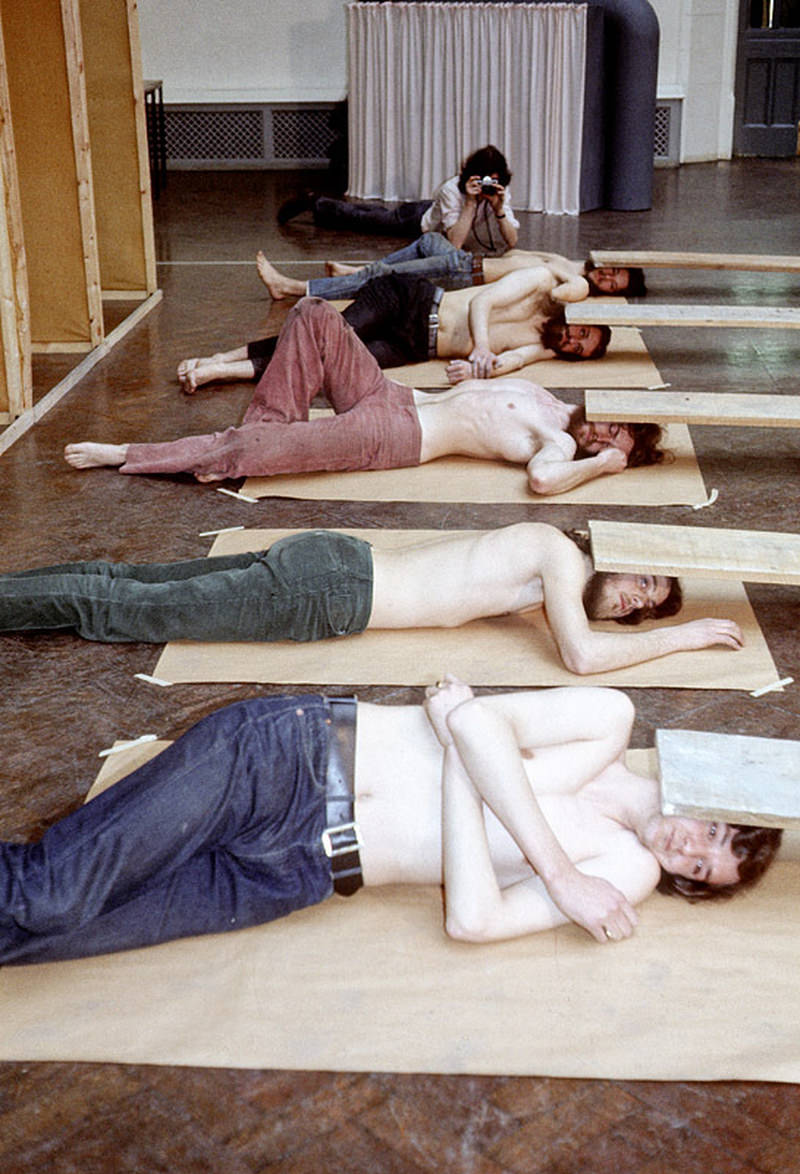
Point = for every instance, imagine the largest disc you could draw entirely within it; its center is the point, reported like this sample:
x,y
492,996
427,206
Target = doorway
x,y
767,109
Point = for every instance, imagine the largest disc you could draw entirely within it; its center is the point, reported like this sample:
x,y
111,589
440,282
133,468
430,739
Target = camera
x,y
489,186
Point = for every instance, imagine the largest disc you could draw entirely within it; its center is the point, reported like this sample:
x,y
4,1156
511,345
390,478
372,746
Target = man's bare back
x,y
505,419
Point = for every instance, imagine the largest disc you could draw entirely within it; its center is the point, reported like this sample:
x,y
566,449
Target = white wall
x,y
245,50
295,50
697,63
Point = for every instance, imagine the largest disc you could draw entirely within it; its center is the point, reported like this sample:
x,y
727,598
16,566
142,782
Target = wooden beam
x,y
16,382
593,312
729,777
693,407
754,262
753,556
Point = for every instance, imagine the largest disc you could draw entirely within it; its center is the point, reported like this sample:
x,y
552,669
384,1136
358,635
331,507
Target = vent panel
x,y
215,134
301,134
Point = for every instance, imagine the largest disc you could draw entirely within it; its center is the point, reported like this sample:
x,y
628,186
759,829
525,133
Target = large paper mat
x,y
504,650
458,479
697,994
626,363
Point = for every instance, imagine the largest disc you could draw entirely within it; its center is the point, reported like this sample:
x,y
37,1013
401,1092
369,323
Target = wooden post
x,y
16,393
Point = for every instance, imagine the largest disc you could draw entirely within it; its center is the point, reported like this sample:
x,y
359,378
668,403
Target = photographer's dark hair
x,y
485,161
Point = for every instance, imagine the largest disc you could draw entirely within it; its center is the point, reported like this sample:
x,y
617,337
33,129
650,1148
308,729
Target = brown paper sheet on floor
x,y
400,997
458,479
505,650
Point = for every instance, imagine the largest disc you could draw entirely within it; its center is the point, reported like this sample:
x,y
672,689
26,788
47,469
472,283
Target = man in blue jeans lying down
x,y
520,805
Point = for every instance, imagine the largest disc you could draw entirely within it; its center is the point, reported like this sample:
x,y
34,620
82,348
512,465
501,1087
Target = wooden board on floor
x,y
751,556
629,314
756,262
693,407
677,481
729,777
508,650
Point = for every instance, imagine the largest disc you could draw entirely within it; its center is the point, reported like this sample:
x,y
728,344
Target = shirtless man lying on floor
x,y
519,804
483,332
380,424
321,583
433,256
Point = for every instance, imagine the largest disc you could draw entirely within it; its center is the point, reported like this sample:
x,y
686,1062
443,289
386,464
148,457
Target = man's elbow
x,y
545,479
580,661
467,928
543,482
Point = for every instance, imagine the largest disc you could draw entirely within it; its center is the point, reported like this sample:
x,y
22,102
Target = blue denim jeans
x,y
431,256
220,831
308,586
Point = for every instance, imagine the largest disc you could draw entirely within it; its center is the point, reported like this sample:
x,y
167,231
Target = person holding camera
x,y
472,209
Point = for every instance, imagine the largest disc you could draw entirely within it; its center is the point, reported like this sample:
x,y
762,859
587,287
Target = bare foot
x,y
205,371
339,269
278,285
89,455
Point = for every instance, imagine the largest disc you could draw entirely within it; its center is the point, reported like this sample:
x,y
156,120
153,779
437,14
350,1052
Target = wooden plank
x,y
16,382
729,777
593,312
693,407
754,262
754,556
76,83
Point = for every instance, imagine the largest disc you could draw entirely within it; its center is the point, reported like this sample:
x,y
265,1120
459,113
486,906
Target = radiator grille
x,y
666,133
215,134
301,134
254,136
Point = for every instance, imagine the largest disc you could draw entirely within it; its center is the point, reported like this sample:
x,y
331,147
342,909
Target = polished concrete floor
x,y
64,699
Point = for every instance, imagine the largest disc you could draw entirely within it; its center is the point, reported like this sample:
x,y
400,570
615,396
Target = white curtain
x,y
429,83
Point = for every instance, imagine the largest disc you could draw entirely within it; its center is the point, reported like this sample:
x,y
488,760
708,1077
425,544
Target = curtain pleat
x,y
430,83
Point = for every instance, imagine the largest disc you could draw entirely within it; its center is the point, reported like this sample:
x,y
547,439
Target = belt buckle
x,y
344,837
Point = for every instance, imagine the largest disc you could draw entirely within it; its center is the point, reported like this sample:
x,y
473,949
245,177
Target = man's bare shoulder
x,y
626,863
545,543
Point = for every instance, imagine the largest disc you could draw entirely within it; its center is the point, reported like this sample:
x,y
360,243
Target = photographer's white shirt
x,y
485,236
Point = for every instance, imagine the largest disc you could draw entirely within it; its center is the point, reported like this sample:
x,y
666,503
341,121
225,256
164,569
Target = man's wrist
x,y
500,216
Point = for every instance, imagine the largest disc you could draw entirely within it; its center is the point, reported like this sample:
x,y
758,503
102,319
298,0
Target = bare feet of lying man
x,y
90,455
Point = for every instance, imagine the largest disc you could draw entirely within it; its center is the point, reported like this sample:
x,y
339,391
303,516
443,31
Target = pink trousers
x,y
375,425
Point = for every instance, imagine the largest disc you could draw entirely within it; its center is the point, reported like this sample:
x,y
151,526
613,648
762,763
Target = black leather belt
x,y
340,839
433,321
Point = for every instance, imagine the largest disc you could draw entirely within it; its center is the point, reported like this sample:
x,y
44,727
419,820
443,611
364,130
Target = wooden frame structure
x,y
693,407
752,262
77,223
751,556
16,384
595,313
